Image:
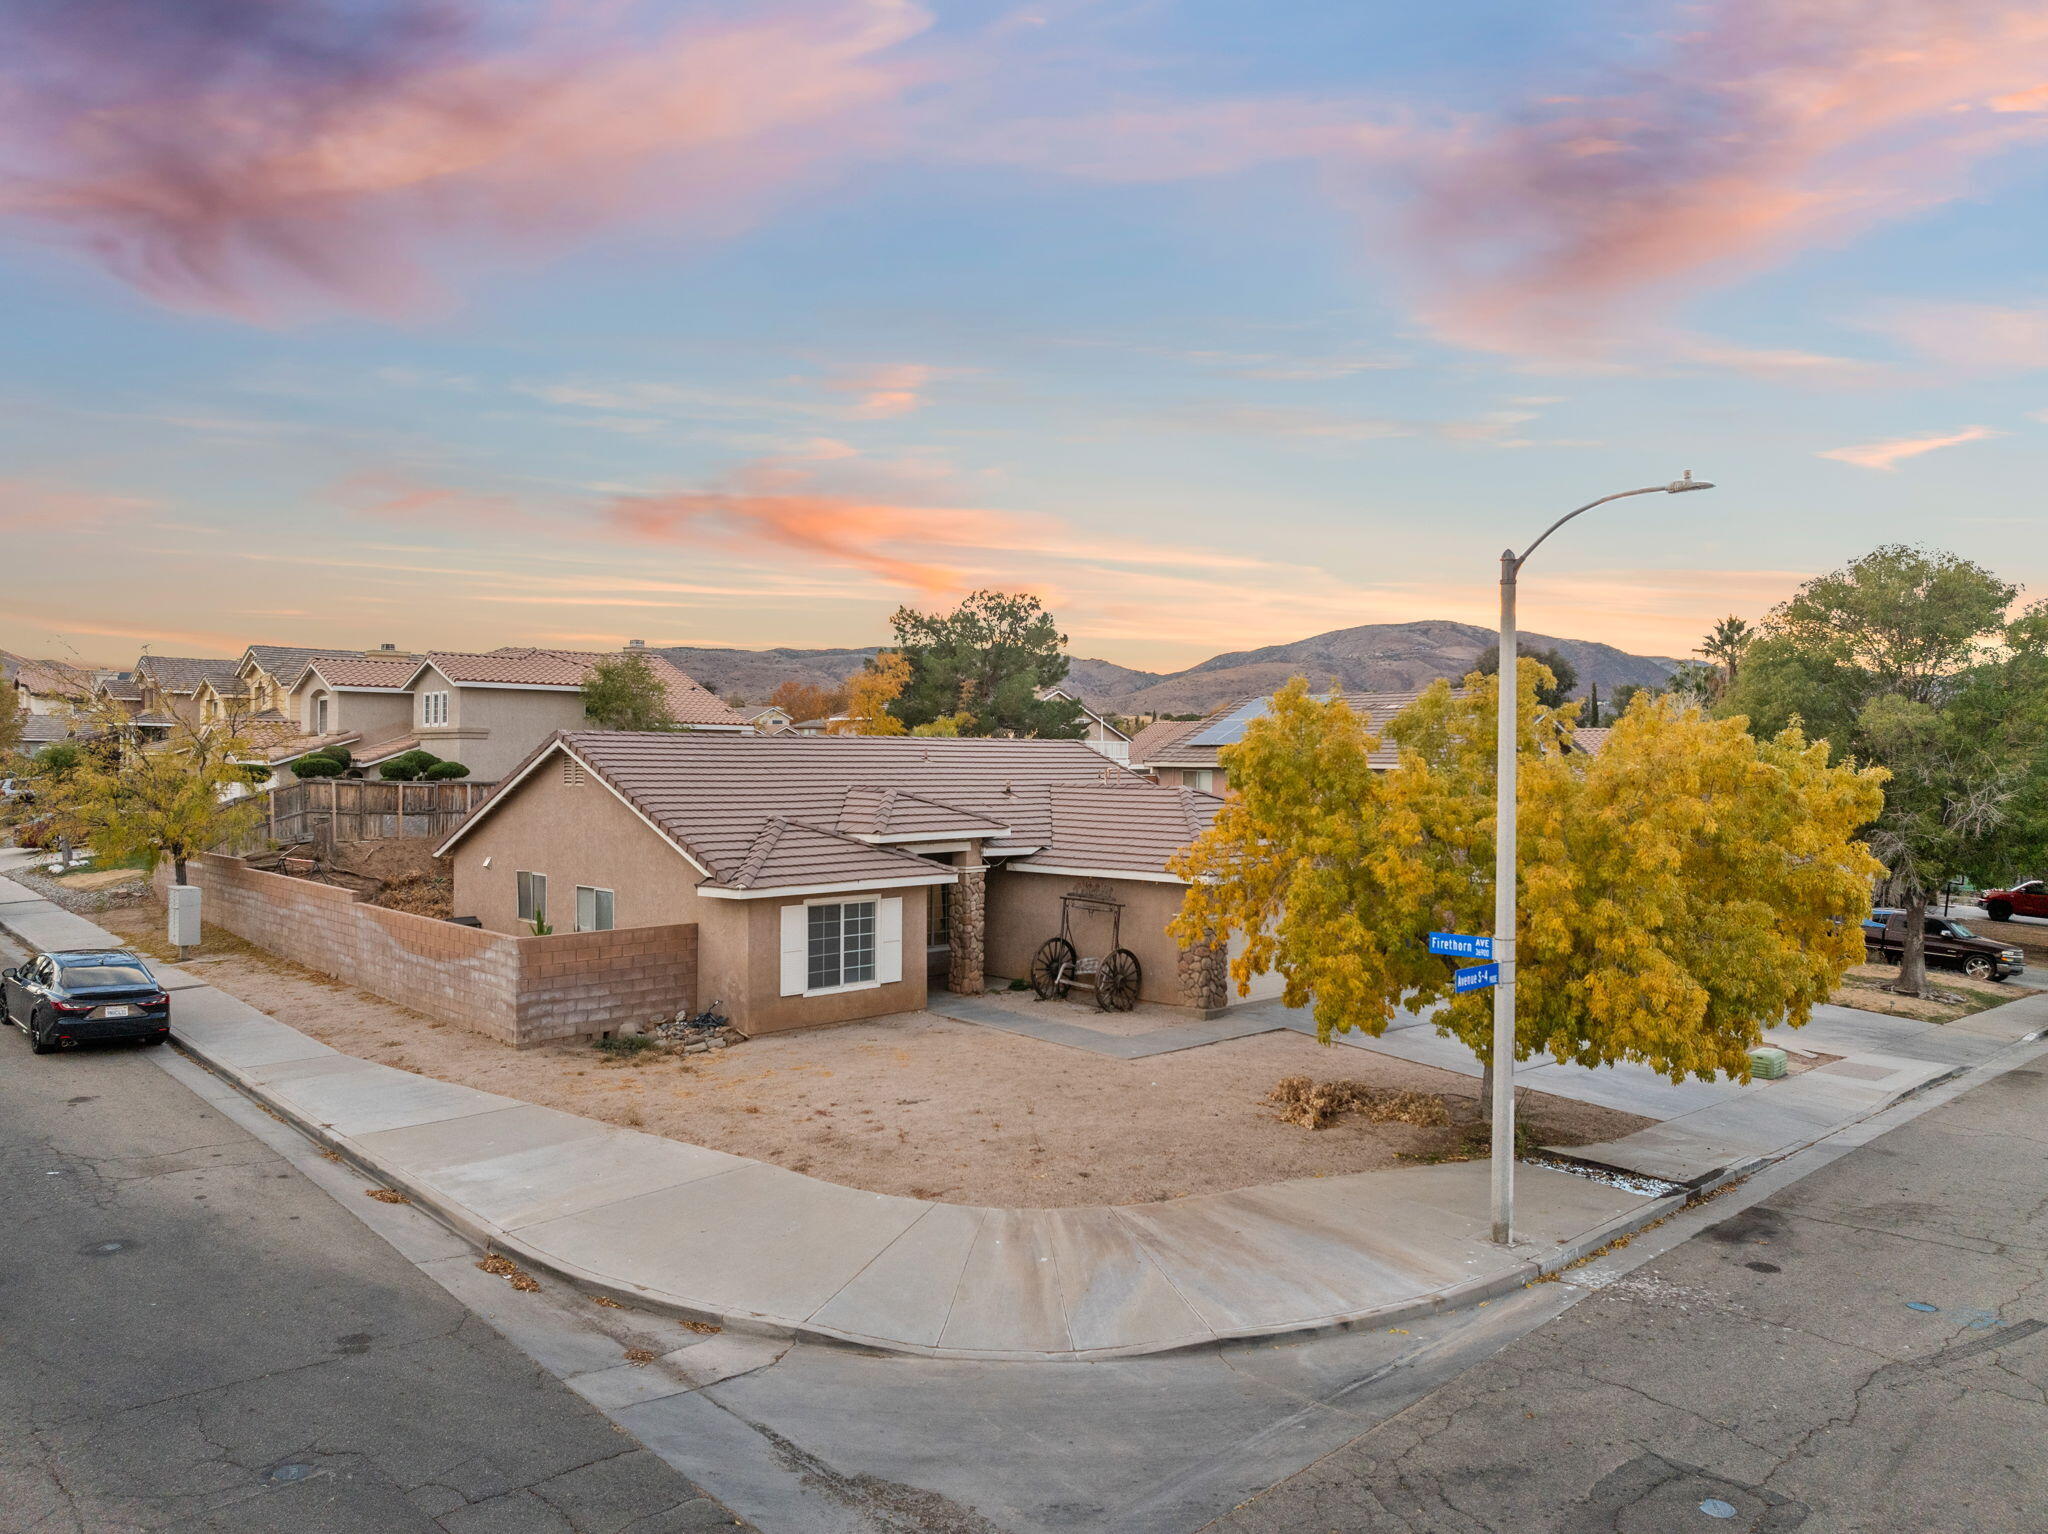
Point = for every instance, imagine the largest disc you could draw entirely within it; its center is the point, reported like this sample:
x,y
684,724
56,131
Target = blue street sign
x,y
1460,946
1478,978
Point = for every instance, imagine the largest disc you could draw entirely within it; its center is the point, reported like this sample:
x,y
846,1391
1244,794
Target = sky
x,y
454,325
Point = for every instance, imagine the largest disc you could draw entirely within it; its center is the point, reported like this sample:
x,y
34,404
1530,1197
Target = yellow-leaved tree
x,y
174,798
1681,890
869,693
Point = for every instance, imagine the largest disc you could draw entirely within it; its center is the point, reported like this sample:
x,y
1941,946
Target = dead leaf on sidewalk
x,y
387,1195
608,1304
511,1272
640,1358
704,1327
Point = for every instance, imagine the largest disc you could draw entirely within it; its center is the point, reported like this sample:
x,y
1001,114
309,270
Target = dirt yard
x,y
918,1104
1954,995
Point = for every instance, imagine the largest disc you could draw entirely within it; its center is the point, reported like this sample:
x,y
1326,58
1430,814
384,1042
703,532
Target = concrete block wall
x,y
521,991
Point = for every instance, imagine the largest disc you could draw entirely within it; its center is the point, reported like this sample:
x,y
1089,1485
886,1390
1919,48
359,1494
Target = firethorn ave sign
x,y
1461,946
1476,978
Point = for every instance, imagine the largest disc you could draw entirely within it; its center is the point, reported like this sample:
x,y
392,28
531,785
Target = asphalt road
x,y
195,1337
1865,1350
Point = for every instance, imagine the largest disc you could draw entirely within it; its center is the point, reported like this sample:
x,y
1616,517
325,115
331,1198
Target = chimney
x,y
636,644
382,652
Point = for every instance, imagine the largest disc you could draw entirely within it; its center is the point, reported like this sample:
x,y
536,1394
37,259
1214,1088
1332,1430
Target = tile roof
x,y
1160,734
1592,739
121,689
688,701
360,671
288,662
291,747
48,678
182,673
766,811
44,729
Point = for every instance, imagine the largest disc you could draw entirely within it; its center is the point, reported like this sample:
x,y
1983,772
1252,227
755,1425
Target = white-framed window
x,y
841,945
593,909
1201,778
533,896
320,716
433,708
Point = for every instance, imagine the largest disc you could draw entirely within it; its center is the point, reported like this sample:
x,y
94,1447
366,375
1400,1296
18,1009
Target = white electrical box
x,y
184,915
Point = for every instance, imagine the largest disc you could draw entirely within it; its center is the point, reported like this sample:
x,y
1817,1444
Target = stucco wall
x,y
1024,910
373,715
521,991
583,834
491,730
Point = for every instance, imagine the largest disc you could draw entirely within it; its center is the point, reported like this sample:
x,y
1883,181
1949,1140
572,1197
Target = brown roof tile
x,y
688,701
767,811
360,671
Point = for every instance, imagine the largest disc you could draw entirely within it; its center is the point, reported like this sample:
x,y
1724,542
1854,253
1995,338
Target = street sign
x,y
1460,946
1477,978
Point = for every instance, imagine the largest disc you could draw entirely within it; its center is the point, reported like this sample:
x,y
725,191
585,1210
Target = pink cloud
x,y
29,506
1776,126
887,391
1887,456
240,154
1978,337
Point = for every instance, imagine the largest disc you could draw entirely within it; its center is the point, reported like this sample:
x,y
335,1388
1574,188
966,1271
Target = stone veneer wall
x,y
521,991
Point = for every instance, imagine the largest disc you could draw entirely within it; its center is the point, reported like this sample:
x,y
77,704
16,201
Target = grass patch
x,y
625,1046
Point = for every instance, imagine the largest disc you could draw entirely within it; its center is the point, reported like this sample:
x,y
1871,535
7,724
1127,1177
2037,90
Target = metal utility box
x,y
1767,1064
184,904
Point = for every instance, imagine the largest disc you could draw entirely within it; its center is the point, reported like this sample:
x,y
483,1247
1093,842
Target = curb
x,y
487,1237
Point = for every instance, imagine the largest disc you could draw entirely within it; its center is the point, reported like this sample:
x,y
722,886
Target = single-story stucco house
x,y
835,877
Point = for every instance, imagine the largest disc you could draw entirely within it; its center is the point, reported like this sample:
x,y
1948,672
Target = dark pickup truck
x,y
1948,942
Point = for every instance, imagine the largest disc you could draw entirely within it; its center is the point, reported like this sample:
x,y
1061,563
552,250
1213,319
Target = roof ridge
x,y
757,854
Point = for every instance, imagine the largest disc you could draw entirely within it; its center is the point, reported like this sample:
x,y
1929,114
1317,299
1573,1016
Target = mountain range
x,y
1375,657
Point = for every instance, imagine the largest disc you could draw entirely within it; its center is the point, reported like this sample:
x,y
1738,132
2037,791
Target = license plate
x,y
114,1011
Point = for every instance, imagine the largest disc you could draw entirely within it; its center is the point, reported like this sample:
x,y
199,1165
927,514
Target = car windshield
x,y
102,977
1957,929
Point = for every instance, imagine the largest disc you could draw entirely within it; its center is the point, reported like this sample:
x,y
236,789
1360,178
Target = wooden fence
x,y
327,810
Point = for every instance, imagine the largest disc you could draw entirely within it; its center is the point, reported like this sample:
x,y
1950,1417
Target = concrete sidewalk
x,y
720,1237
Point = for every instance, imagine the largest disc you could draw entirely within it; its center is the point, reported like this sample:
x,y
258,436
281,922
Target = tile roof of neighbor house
x,y
688,701
1160,734
359,670
291,747
44,729
1592,738
48,678
183,673
123,689
288,662
761,812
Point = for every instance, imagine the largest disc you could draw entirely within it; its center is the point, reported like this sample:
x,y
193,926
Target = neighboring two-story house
x,y
163,691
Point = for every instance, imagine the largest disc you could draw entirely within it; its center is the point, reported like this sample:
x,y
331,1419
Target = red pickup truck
x,y
2029,898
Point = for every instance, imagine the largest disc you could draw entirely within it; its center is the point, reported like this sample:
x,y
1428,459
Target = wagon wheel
x,y
1052,969
1116,982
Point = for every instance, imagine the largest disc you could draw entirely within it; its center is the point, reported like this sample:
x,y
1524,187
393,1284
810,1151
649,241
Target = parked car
x,y
82,995
1948,942
2029,898
16,791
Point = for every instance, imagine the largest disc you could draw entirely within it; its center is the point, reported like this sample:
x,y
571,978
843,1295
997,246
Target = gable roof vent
x,y
572,772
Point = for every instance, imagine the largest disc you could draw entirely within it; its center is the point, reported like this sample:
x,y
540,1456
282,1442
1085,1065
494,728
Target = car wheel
x,y
1999,910
162,1038
41,1041
1977,967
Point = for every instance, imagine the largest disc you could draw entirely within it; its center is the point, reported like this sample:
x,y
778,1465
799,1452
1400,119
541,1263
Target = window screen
x,y
593,909
533,897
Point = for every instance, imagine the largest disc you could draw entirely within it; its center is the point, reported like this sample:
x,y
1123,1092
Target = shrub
x,y
338,753
441,772
406,766
316,765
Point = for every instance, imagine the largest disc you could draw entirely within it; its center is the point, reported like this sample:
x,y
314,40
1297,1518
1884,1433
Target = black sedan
x,y
79,996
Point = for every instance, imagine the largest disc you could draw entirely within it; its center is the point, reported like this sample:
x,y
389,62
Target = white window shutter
x,y
796,949
889,939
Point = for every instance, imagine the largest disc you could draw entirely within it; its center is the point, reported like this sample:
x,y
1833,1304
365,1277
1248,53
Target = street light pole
x,y
1507,739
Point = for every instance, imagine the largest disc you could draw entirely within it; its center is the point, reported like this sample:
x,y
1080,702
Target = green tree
x,y
1681,891
13,719
1909,659
990,658
1556,691
622,692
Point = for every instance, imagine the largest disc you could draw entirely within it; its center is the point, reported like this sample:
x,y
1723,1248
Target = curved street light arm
x,y
1560,522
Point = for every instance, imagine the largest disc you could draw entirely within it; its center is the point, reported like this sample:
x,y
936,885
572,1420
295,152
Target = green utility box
x,y
1767,1064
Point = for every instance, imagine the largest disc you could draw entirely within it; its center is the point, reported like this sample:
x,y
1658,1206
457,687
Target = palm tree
x,y
1726,644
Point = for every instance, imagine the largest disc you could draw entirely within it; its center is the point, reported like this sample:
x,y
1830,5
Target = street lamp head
x,y
1687,483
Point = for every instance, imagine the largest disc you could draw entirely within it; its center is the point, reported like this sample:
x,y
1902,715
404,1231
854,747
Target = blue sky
x,y
1217,325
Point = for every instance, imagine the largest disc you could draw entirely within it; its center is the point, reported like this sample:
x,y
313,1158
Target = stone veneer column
x,y
966,969
1205,976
